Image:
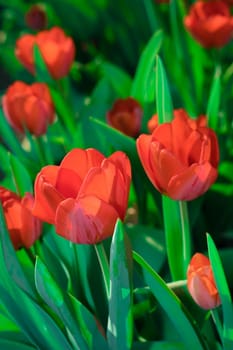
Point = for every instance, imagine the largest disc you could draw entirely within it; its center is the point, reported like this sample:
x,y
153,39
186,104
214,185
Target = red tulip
x,y
36,17
126,116
181,157
201,284
57,49
23,227
28,107
84,195
210,23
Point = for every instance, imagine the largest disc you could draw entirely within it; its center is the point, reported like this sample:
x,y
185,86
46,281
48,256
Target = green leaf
x,y
9,344
50,292
120,80
9,137
120,323
224,293
214,100
159,345
10,269
89,325
173,236
42,73
143,83
172,306
163,98
21,176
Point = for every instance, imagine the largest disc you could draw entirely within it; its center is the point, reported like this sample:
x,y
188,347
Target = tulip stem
x,y
104,265
186,236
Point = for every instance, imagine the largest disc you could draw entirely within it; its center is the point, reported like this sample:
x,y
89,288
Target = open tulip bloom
x,y
116,167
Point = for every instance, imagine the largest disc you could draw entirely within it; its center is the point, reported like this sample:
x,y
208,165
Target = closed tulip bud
x,y
28,107
23,227
85,195
210,23
57,50
180,157
201,284
126,116
36,17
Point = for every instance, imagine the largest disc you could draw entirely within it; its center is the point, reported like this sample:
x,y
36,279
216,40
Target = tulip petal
x,y
123,164
143,144
47,197
68,182
81,161
107,184
86,221
192,182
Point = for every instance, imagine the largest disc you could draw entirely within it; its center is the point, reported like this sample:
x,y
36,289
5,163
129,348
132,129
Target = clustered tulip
x,y
210,23
24,228
85,195
126,116
201,284
57,50
28,107
180,157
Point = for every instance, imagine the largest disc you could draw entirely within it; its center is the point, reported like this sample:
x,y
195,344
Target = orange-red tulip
x,y
28,107
152,123
126,116
23,227
57,49
201,284
181,157
84,195
210,23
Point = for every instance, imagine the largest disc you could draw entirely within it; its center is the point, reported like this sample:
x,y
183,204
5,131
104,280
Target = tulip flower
x,y
210,23
201,284
181,157
23,227
36,17
57,49
28,107
126,116
84,195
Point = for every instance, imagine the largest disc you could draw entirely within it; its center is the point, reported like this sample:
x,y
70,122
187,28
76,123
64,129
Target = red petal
x,y
81,161
87,221
192,183
68,183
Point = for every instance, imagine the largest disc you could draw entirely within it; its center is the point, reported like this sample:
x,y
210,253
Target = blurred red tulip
x,y
24,228
181,157
126,116
162,1
36,17
210,23
84,196
28,107
57,49
201,284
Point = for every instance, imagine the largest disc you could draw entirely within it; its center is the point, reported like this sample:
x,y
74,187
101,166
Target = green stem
x,y
177,284
150,12
186,236
104,265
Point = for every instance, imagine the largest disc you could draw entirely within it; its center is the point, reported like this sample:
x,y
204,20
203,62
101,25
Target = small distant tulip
x,y
24,228
28,107
181,157
210,23
57,49
126,116
36,17
84,195
201,284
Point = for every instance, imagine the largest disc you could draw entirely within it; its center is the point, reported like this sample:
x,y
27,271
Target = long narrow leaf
x,y
224,292
120,324
173,307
